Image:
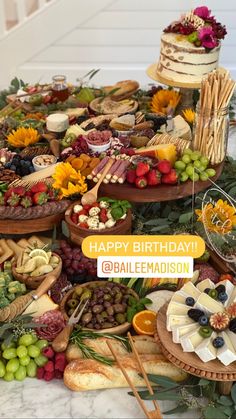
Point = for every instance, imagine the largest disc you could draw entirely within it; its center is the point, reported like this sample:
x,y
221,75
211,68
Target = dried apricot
x,y
86,171
85,157
94,162
77,163
70,158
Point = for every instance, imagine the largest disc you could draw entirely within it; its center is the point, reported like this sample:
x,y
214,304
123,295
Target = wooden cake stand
x,y
186,89
189,361
159,193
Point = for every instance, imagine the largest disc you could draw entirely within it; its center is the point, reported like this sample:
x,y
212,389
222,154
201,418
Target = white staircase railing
x,y
23,10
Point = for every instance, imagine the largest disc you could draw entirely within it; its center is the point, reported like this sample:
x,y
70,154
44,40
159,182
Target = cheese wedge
x,y
177,308
232,298
173,321
179,331
190,341
208,304
189,290
206,283
206,351
179,297
227,353
42,305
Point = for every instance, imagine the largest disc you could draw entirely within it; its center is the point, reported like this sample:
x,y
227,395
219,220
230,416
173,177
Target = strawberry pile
x,y
143,174
55,366
38,194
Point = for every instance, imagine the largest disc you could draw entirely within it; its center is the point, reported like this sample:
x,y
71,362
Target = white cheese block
x,y
232,337
42,305
179,297
57,122
208,304
227,353
179,331
206,283
173,320
159,298
232,298
189,290
181,128
206,351
190,341
177,308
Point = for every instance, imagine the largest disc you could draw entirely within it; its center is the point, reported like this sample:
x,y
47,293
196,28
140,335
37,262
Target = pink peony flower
x,y
202,12
206,36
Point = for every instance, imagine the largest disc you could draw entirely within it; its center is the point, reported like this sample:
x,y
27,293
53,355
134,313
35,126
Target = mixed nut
x,y
44,160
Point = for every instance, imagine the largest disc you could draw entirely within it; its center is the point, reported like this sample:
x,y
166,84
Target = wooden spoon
x,y
91,196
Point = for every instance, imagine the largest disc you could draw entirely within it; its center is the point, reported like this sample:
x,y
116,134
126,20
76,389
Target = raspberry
x,y
60,365
49,366
48,352
48,376
40,373
58,374
60,356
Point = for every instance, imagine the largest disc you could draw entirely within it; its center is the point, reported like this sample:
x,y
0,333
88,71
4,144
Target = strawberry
x,y
74,218
142,168
103,215
170,178
154,177
164,166
82,212
39,187
26,201
141,182
131,176
40,198
83,225
13,200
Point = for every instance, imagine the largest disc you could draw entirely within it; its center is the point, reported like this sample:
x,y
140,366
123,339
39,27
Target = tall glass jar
x,y
211,131
60,88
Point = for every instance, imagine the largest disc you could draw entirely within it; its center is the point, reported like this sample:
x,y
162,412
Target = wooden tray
x,y
157,193
96,106
30,226
189,361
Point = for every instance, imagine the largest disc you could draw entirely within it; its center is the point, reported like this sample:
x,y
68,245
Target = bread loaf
x,y
88,374
144,345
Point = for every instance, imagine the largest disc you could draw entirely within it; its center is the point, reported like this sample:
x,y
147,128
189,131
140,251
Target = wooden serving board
x,y
97,105
159,193
30,226
189,361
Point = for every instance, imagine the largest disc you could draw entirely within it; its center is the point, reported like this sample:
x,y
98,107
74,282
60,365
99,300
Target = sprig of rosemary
x,y
78,336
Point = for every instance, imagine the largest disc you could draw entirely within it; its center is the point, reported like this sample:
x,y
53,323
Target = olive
x,y
119,308
70,312
97,326
74,295
90,325
116,289
110,311
78,290
107,325
86,318
98,308
106,297
99,318
120,318
111,319
72,303
118,297
107,304
86,295
104,314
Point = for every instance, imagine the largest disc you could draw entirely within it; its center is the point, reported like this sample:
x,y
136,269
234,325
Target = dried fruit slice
x,y
144,322
42,270
39,252
30,266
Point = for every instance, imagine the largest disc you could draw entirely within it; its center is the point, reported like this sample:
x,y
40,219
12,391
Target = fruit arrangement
x,y
144,174
22,166
38,194
22,358
78,267
54,367
84,163
101,215
194,166
37,262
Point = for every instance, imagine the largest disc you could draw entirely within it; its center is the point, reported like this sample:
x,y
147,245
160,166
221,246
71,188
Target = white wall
x,y
121,37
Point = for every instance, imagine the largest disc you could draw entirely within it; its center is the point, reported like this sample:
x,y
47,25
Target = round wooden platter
x,y
30,226
189,361
159,193
96,106
155,75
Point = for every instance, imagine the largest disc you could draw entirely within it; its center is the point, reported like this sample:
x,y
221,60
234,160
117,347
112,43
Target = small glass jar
x,y
60,88
211,131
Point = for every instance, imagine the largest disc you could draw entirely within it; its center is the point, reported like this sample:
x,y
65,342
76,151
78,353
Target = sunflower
x,y
68,181
189,115
23,137
219,217
165,101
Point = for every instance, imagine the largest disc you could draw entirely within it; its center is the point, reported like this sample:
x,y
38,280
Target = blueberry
x,y
190,301
222,296
203,320
207,290
218,342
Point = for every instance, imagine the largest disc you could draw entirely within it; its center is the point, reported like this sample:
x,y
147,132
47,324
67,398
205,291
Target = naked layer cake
x,y
190,47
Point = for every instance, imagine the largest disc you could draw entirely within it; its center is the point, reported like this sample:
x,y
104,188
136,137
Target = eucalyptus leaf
x,y
173,216
225,401
178,409
162,381
64,229
164,228
159,395
233,393
204,382
214,413
156,222
185,218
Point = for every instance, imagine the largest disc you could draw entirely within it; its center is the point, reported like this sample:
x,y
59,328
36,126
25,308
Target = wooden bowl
x,y
77,234
116,330
32,282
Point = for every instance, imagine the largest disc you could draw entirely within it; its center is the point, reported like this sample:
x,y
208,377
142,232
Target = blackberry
x,y
207,290
195,314
232,325
220,288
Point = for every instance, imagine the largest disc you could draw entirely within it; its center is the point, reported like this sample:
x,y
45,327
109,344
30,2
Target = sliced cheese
x,y
206,283
232,298
208,304
173,320
179,331
190,341
189,290
206,351
227,353
177,308
179,297
42,305
181,128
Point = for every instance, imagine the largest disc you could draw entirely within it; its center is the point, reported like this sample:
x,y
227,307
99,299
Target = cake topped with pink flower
x,y
190,46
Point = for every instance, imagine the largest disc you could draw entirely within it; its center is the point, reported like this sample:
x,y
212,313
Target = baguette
x,y
144,345
88,374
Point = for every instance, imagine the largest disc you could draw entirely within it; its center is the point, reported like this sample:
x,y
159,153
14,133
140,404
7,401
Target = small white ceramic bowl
x,y
38,167
99,148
